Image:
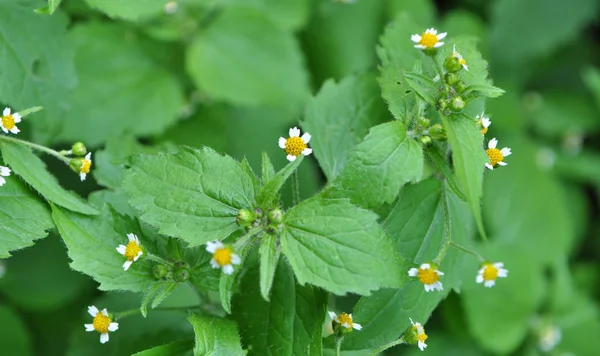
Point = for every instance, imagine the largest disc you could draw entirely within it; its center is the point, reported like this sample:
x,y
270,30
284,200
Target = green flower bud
x,y
423,123
451,78
452,64
276,216
425,140
181,274
79,149
259,213
460,87
415,334
438,133
245,217
75,164
457,104
159,271
272,229
442,105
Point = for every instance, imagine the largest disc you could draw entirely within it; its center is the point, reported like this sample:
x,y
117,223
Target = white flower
x,y
419,334
86,164
102,323
4,172
132,251
429,276
295,145
429,39
495,155
461,60
489,272
484,122
345,320
9,121
223,256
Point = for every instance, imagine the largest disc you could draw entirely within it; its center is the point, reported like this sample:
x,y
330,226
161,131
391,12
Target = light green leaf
x,y
129,10
339,247
92,243
469,160
107,89
291,324
243,56
24,217
423,86
489,91
15,338
194,195
178,348
289,15
269,256
50,8
155,294
268,194
29,111
267,169
33,171
338,118
215,336
422,12
379,166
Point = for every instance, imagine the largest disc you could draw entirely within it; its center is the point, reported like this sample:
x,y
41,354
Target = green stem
x,y
447,233
387,346
469,251
439,69
242,241
338,345
126,313
295,188
36,147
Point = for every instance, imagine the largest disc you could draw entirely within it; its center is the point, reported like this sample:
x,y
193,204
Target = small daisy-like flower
x,y
548,337
495,155
460,58
102,323
4,172
86,164
10,121
132,251
345,320
295,145
223,256
428,275
417,335
489,272
484,122
429,39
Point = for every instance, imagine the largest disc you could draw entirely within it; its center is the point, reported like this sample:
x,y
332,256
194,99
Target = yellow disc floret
x,y
85,166
8,122
427,276
484,129
346,319
495,156
132,250
428,40
490,273
101,323
420,332
294,146
222,256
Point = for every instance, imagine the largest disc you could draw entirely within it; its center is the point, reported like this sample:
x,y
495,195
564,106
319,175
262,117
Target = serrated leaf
x,y
423,86
441,164
107,89
92,241
338,118
155,294
269,257
267,169
242,57
33,171
178,348
215,336
379,166
129,10
23,217
194,195
489,91
291,324
267,196
339,247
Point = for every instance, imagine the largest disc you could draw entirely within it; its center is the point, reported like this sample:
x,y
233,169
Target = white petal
x,y
89,327
420,46
306,137
82,176
432,30
235,259
6,112
479,279
15,130
307,151
228,269
485,122
454,49
113,326
412,322
332,315
3,128
413,272
493,143
428,287
502,164
213,246
105,312
439,273
131,237
121,249
489,166
291,158
89,156
214,264
356,326
17,117
466,67
294,132
104,338
425,266
282,142
415,38
438,285
503,273
505,151
438,44
5,171
138,256
93,310
498,264
127,264
2,181
422,345
441,36
489,284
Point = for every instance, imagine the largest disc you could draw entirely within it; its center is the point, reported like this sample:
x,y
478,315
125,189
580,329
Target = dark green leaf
x,y
269,256
14,338
178,348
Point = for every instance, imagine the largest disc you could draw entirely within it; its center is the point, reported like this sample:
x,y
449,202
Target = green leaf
x,y
267,169
291,324
289,15
422,12
268,194
469,160
92,242
194,195
31,168
227,283
338,118
107,89
489,91
441,164
269,256
23,217
591,78
156,293
15,338
242,58
423,86
50,8
178,348
215,336
38,64
129,10
29,111
339,247
379,166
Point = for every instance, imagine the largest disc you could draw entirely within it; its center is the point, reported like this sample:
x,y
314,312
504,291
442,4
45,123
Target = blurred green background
x,y
235,75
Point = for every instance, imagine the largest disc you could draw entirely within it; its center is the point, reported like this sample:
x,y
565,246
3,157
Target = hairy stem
x,y
338,346
295,188
35,146
447,231
469,251
387,346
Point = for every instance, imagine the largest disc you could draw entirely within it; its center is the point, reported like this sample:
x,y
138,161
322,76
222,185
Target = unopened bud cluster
x,y
271,221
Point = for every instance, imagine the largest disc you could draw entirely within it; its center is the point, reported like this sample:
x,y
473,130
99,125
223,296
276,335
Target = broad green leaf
x,y
129,10
50,8
423,86
38,65
269,256
23,217
379,166
489,91
469,160
242,58
441,164
477,75
107,89
194,195
215,336
289,15
338,118
422,12
92,242
267,169
291,324
33,171
339,247
178,348
268,194
15,338
155,294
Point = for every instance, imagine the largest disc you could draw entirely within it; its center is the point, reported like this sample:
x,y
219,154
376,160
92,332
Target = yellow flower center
x,y
101,323
428,40
420,336
490,273
85,166
223,256
495,156
462,61
132,250
345,318
428,276
8,122
294,146
484,129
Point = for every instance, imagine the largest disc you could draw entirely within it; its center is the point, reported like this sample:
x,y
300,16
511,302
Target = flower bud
x,y
438,133
423,123
442,105
181,274
259,213
452,64
457,104
425,140
276,216
460,87
272,229
245,217
75,164
159,271
79,149
451,78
